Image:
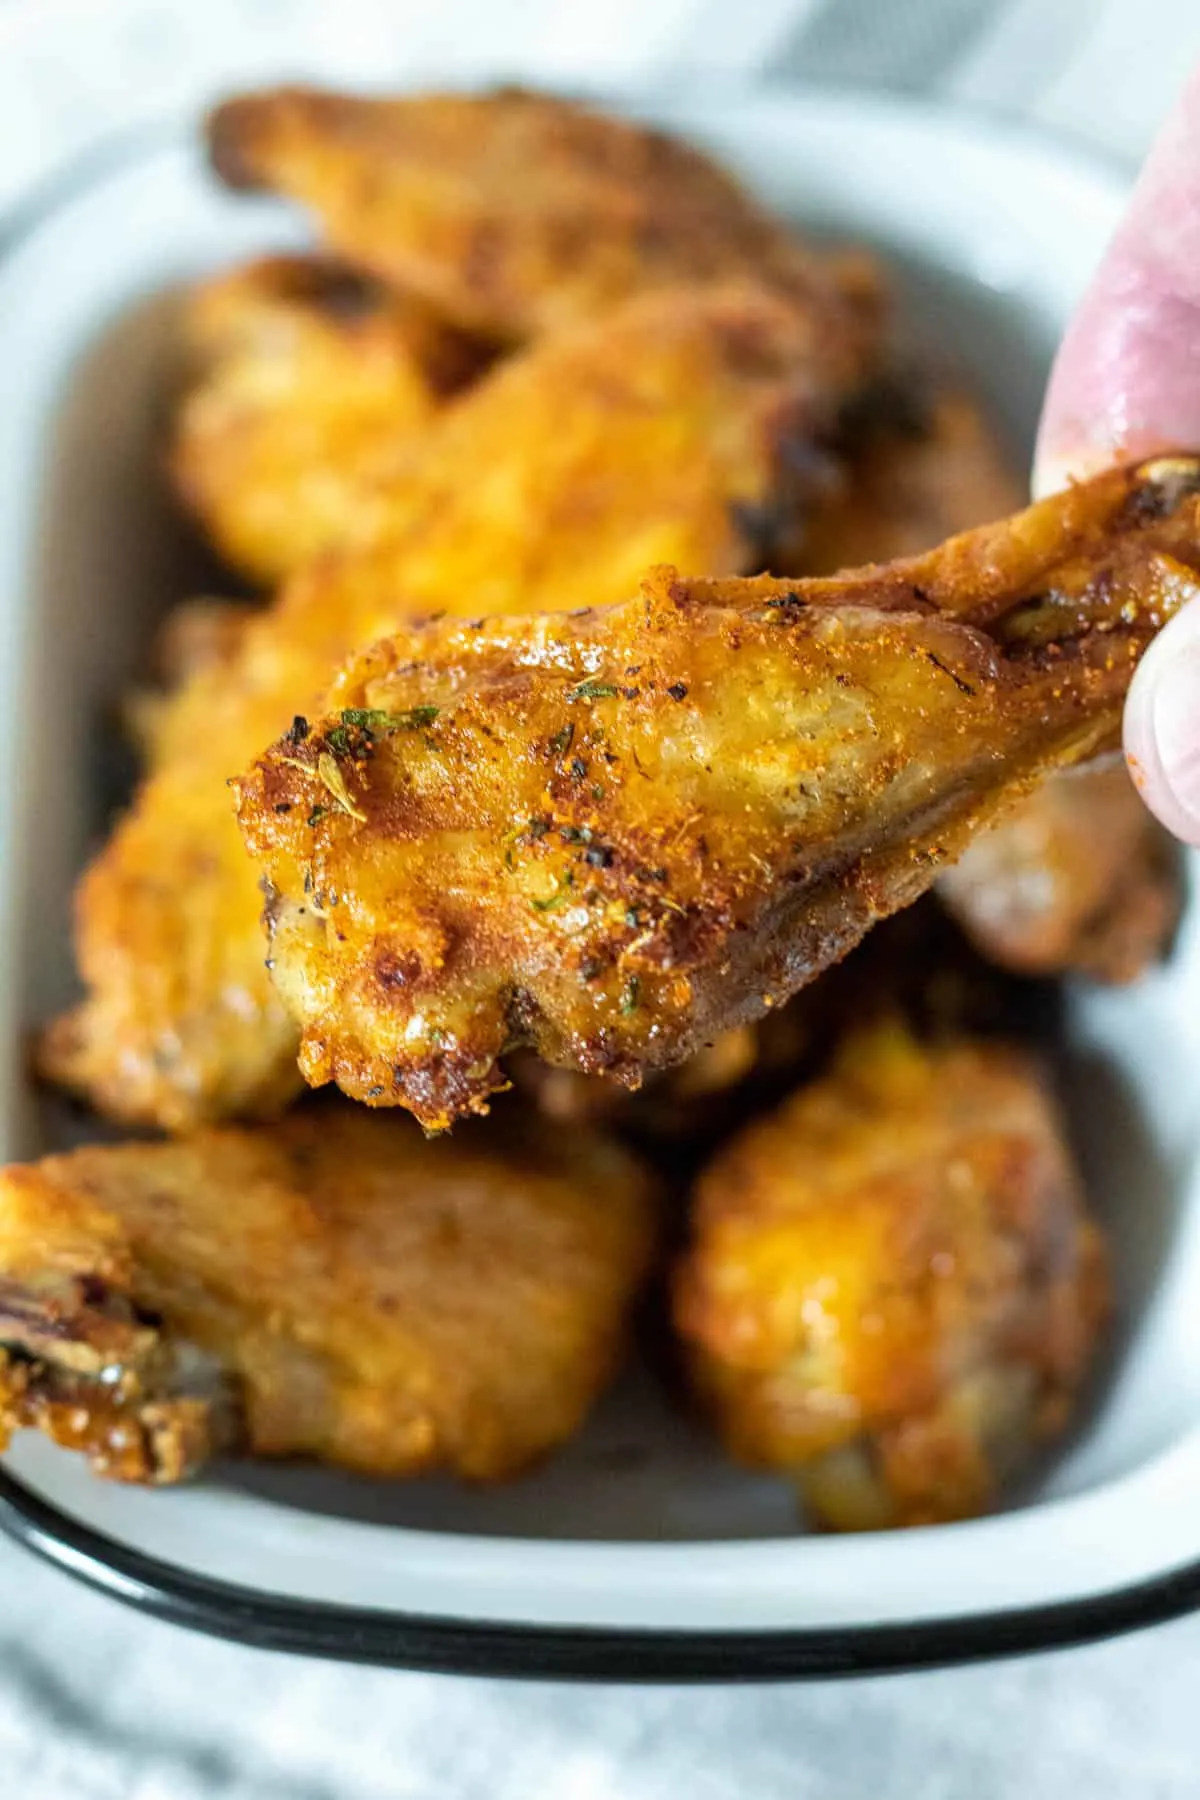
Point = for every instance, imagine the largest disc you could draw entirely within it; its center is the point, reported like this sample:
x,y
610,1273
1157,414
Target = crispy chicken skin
x,y
893,1289
334,1286
918,463
1079,879
614,835
310,390
512,212
667,429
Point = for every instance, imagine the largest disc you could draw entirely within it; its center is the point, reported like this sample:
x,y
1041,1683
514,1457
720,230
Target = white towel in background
x,y
100,1704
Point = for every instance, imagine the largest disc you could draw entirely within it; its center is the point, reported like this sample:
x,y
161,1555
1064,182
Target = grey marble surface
x,y
99,1704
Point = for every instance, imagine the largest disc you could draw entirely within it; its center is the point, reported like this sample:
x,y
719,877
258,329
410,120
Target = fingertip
x,y
1053,470
1162,726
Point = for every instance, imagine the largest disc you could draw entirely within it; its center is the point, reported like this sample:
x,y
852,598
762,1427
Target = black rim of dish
x,y
569,1653
465,1647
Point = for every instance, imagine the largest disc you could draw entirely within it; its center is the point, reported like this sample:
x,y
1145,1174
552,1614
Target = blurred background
x,y
75,70
100,1704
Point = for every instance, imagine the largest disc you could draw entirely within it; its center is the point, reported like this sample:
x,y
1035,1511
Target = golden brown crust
x,y
513,212
310,391
1079,879
893,1288
664,430
918,463
334,1286
613,835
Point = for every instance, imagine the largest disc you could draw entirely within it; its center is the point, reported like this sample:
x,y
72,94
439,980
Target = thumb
x,y
1126,383
1126,380
1162,725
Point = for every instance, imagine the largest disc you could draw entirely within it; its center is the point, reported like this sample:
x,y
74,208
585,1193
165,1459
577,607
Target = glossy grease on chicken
x,y
894,1290
614,835
668,429
334,1286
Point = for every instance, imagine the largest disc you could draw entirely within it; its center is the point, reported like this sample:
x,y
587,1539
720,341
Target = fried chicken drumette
x,y
894,1291
666,429
1079,879
513,212
333,1286
917,462
614,835
310,390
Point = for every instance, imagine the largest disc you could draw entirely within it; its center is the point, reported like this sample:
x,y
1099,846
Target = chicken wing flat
x,y
1079,879
894,1290
334,1286
614,835
512,212
310,390
666,429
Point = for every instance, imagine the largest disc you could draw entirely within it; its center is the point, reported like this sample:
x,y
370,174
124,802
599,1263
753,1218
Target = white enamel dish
x,y
638,1553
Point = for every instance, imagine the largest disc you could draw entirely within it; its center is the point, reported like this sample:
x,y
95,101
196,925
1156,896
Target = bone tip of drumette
x,y
80,1361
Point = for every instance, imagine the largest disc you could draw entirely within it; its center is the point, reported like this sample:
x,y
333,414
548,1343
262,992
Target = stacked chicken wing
x,y
539,745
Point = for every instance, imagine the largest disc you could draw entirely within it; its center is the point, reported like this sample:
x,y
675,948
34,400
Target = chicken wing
x,y
1078,879
334,1286
917,463
615,834
894,1290
920,464
512,212
667,429
310,390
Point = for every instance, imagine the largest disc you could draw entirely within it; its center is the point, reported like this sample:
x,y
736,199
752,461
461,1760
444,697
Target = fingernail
x,y
1162,726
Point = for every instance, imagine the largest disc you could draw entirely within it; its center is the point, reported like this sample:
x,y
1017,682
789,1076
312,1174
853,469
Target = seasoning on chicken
x,y
673,428
310,391
1078,878
894,1291
915,463
614,835
334,1286
514,212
